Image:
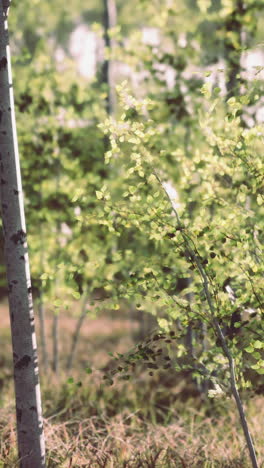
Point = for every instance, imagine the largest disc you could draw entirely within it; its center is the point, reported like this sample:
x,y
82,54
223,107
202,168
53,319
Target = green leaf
x,y
76,295
204,5
260,199
258,344
99,194
249,349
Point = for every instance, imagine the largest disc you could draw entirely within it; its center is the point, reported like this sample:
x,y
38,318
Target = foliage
x,y
108,228
201,152
159,208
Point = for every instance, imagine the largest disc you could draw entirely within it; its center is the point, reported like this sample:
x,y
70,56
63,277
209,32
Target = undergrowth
x,y
147,422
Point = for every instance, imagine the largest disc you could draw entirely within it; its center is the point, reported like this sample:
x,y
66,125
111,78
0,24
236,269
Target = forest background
x,y
115,142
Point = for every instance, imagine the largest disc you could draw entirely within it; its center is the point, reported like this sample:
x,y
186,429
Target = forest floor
x,y
157,421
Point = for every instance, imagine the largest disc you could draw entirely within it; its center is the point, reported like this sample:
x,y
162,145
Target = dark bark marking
x,y
22,257
23,362
12,317
14,281
3,182
33,408
1,165
10,287
6,4
16,192
19,414
3,63
19,237
29,290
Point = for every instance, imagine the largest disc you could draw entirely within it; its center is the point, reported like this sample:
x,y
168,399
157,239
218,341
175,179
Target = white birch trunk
x,y
31,445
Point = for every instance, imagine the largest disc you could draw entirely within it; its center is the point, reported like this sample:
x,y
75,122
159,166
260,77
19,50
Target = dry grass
x,y
127,440
113,428
144,423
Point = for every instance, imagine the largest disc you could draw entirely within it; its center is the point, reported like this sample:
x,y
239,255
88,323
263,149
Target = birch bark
x,y
31,446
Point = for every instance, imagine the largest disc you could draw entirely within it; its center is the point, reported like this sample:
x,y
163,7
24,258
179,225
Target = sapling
x,y
144,207
213,320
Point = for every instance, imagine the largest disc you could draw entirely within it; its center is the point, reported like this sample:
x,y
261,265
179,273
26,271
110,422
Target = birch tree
x,y
31,446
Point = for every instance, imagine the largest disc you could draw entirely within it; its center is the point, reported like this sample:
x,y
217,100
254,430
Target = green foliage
x,y
219,189
214,167
100,191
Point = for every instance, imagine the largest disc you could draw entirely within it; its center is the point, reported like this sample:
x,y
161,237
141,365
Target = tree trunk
x,y
233,45
76,335
190,331
41,310
55,340
43,340
31,445
55,329
109,22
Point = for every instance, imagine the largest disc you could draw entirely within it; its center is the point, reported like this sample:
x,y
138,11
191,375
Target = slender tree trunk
x,y
233,45
41,310
109,22
55,340
55,329
76,334
235,393
31,445
43,340
190,331
147,323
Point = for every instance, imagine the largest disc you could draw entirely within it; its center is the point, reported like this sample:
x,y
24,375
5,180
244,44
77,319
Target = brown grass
x,y
147,422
